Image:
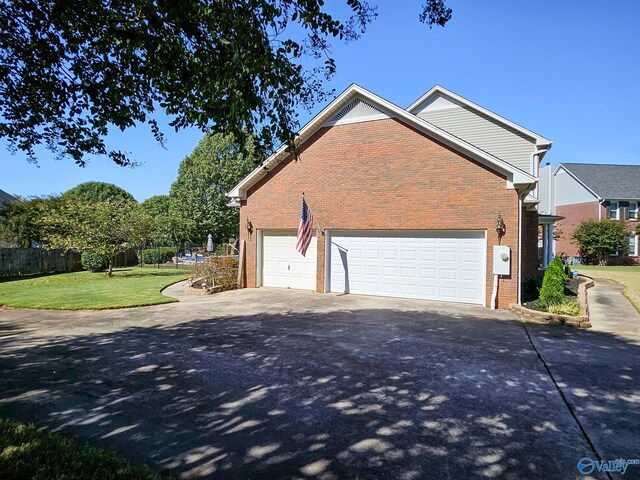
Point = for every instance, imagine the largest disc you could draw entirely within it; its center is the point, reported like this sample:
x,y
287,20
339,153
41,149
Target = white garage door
x,y
283,266
446,266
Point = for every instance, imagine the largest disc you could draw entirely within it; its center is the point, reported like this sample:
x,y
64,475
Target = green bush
x,y
94,262
221,271
552,290
566,307
598,240
158,255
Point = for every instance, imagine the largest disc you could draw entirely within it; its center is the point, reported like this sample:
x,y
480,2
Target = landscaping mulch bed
x,y
570,293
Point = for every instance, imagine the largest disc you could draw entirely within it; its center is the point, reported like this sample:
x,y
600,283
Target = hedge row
x,y
158,255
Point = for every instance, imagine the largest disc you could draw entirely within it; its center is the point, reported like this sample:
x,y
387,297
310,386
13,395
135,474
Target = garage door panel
x,y
430,266
283,266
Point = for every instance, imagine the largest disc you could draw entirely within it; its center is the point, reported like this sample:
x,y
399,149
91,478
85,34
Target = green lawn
x,y
628,277
128,287
29,453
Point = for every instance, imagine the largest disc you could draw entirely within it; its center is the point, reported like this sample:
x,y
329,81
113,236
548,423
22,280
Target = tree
x,y
105,227
69,70
19,225
198,196
156,206
97,192
597,240
169,227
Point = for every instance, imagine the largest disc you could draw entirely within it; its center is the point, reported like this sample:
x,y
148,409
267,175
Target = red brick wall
x,y
574,216
530,244
383,175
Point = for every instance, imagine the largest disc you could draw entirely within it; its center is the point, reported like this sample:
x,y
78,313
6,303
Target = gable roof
x,y
5,197
438,90
611,182
514,175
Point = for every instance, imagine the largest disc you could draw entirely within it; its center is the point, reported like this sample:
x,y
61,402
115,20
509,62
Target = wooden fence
x,y
22,261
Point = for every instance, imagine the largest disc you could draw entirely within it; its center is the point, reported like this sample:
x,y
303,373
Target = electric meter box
x,y
501,260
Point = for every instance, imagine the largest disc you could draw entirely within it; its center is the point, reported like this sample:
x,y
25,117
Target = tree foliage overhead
x,y
97,192
597,240
198,196
71,69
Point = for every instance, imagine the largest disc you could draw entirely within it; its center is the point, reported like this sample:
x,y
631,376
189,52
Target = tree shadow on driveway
x,y
344,394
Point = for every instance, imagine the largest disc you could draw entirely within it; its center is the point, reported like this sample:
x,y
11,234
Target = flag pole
x,y
314,217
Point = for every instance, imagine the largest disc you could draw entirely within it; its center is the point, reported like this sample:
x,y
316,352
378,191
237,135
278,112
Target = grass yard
x,y
29,453
628,277
128,287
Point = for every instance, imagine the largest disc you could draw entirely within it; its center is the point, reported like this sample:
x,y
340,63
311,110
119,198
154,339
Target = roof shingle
x,y
613,182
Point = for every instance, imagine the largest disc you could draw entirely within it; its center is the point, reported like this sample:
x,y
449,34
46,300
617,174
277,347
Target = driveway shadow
x,y
347,394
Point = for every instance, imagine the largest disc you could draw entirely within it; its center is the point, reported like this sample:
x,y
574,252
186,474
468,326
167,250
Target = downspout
x,y
600,202
535,167
521,196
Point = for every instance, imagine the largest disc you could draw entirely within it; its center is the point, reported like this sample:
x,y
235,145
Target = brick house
x,y
406,201
583,191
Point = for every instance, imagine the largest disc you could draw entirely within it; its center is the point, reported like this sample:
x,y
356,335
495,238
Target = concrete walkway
x,y
610,311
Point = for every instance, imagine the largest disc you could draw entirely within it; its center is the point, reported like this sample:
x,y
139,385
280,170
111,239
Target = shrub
x,y
531,288
158,255
94,262
221,249
552,290
598,240
221,271
567,307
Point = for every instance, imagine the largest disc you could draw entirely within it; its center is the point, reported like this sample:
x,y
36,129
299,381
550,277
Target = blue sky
x,y
566,70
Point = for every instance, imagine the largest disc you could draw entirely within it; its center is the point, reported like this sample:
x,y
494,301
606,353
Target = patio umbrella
x,y
209,244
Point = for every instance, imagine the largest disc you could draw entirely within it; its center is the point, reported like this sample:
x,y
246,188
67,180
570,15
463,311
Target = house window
x,y
614,208
633,245
633,210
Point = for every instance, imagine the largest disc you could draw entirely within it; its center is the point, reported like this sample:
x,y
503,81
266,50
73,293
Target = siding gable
x,y
480,130
357,111
568,191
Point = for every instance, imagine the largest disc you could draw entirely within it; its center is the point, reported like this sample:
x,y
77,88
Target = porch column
x,y
545,245
550,252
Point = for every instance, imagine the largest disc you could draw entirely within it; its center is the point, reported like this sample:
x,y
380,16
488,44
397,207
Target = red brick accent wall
x,y
383,175
574,216
530,244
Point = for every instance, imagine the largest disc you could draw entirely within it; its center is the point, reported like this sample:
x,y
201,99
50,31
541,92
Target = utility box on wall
x,y
501,260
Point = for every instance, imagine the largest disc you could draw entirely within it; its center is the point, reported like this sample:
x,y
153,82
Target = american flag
x,y
305,229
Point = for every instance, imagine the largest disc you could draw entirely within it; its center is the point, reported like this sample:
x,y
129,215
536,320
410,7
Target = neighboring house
x,y
406,201
5,198
584,191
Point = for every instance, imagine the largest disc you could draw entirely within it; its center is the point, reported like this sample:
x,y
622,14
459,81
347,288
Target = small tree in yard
x,y
596,241
105,228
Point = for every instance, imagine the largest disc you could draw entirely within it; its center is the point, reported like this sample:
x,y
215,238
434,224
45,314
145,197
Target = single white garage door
x,y
447,266
283,266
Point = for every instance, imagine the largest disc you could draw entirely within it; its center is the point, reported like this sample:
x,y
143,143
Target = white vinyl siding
x,y
444,266
568,191
483,132
283,266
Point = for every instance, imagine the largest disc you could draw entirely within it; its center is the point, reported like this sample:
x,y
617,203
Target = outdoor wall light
x,y
500,228
249,226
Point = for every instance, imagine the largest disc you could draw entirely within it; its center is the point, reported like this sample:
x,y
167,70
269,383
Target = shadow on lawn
x,y
366,394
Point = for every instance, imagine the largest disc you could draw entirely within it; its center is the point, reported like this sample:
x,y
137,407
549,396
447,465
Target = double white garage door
x,y
446,266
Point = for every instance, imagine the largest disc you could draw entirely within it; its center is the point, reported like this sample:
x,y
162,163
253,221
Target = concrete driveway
x,y
285,384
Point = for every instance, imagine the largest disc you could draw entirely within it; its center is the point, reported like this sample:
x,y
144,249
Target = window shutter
x,y
624,210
